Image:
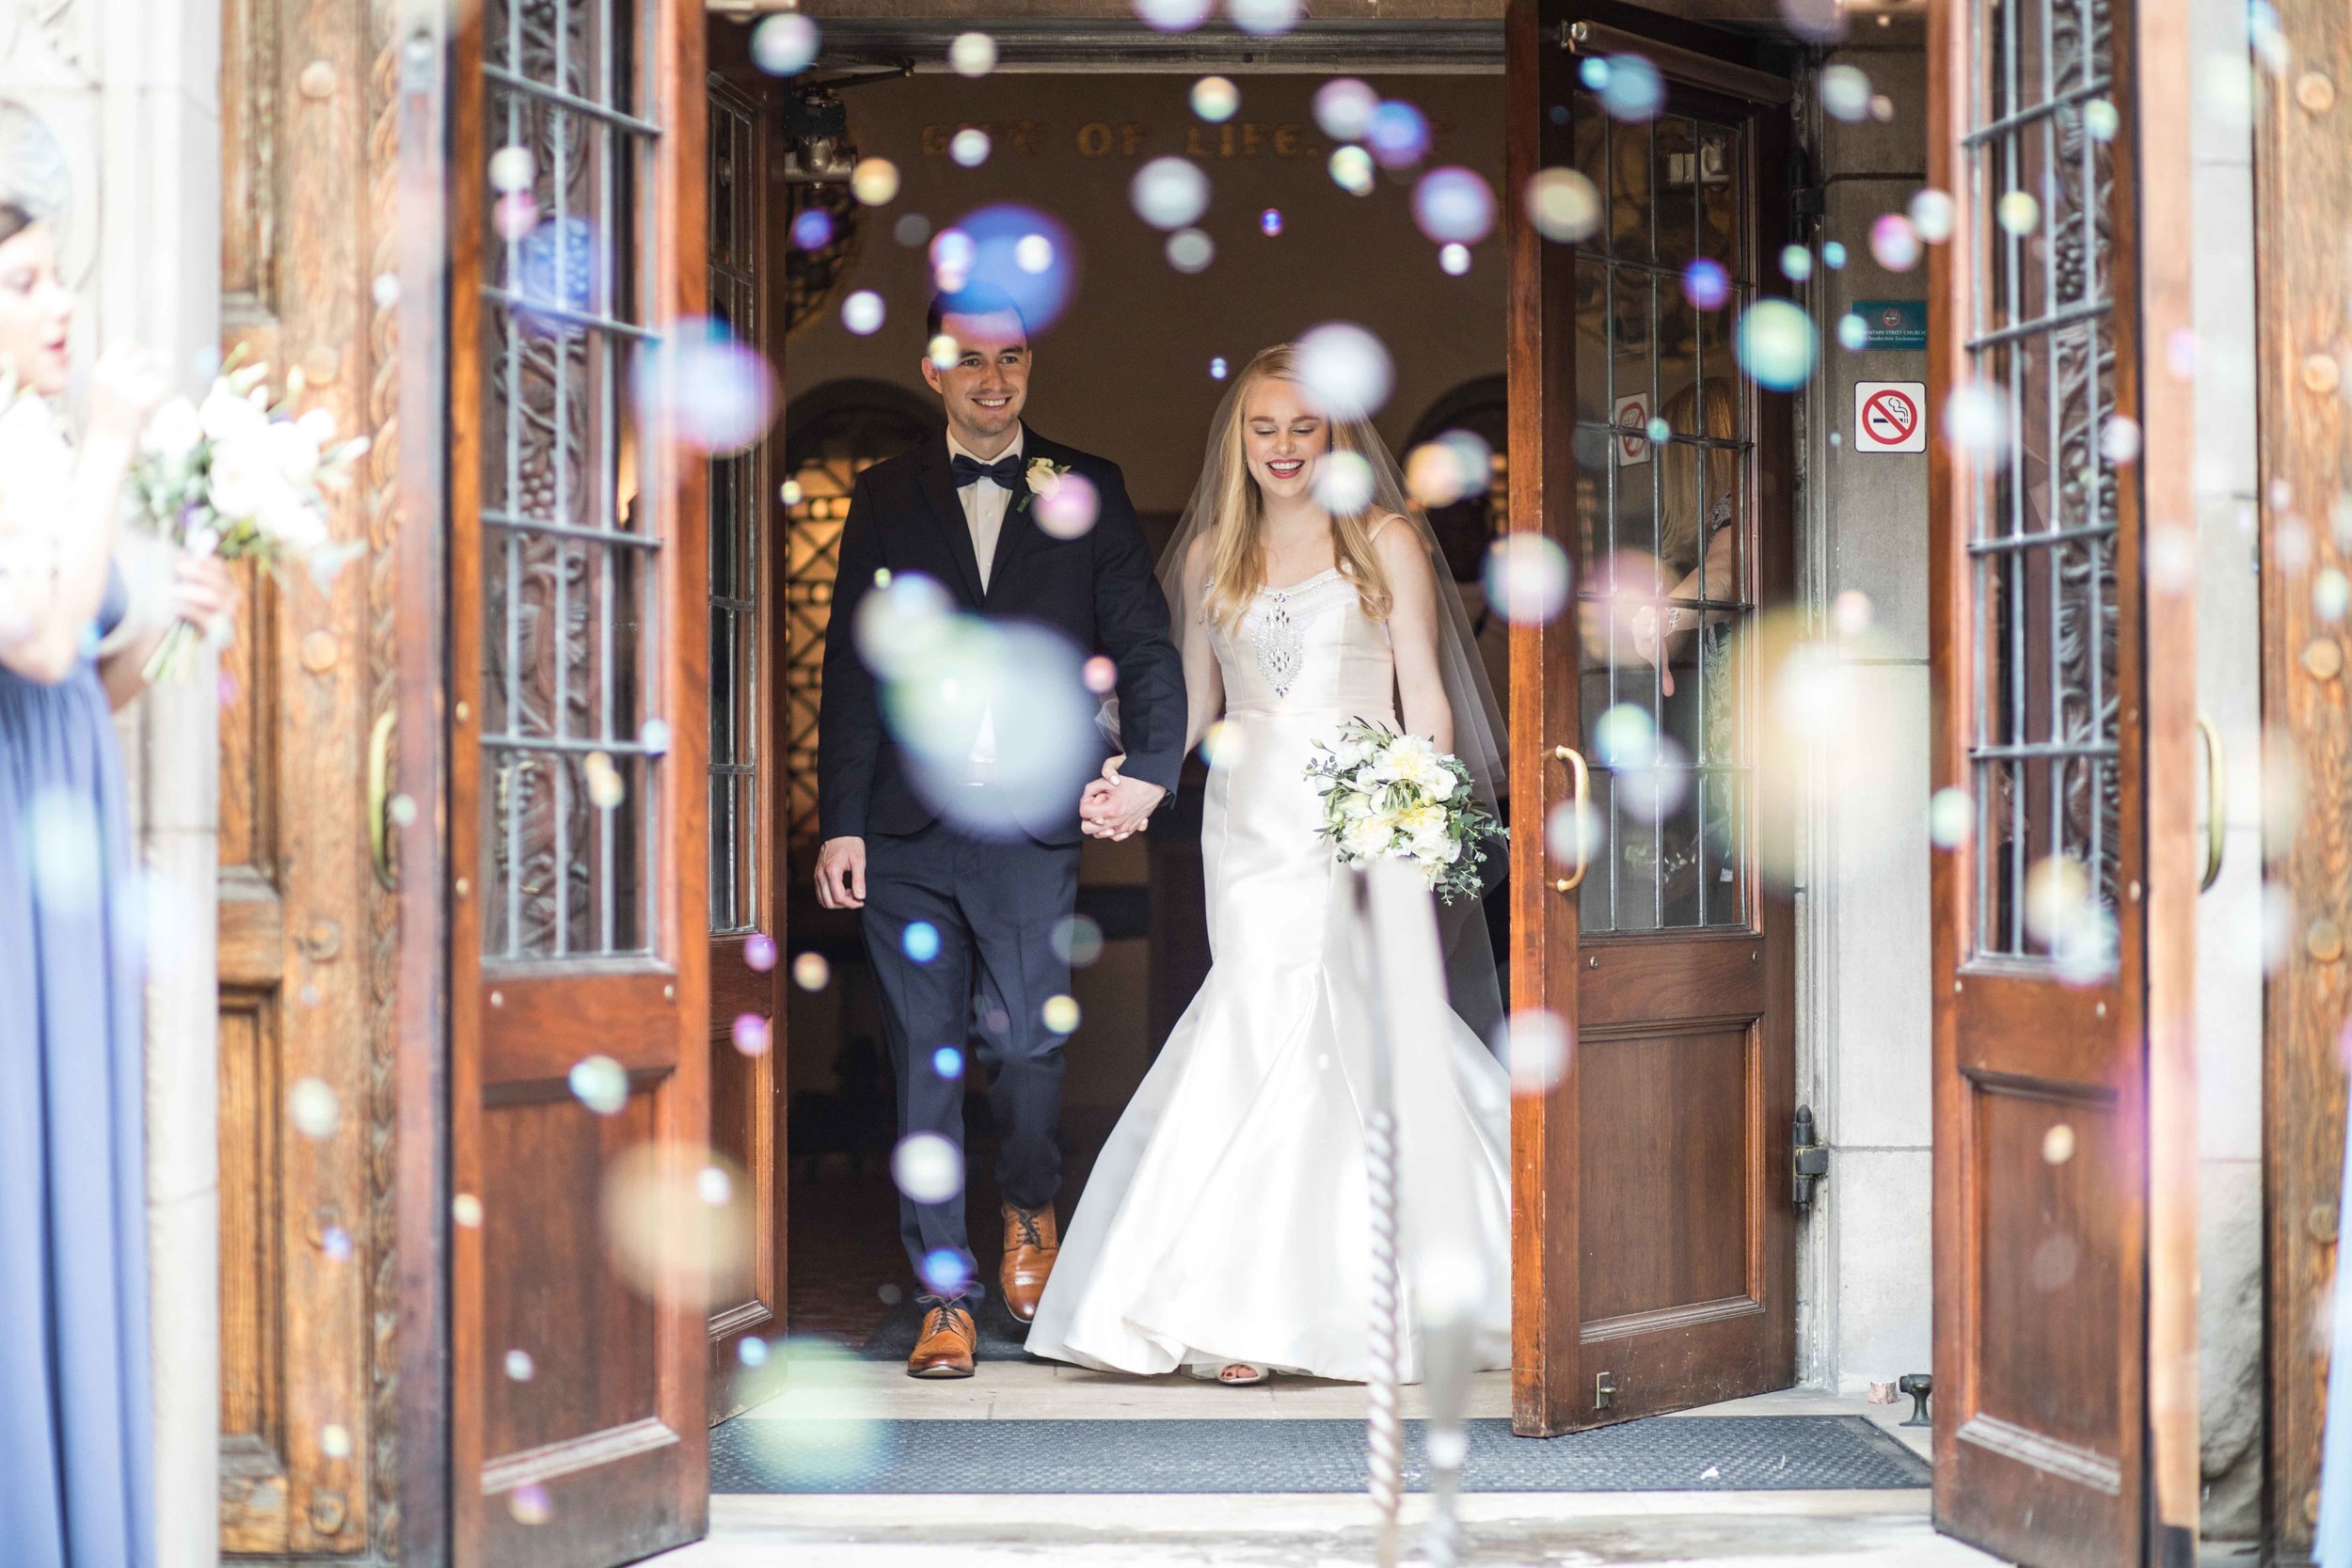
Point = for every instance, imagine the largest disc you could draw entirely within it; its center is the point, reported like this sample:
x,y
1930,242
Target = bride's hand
x,y
1110,767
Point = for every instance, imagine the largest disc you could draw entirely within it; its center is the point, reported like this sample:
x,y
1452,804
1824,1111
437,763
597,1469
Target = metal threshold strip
x,y
1421,48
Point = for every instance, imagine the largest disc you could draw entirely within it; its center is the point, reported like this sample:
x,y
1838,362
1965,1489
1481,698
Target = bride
x,y
1226,1228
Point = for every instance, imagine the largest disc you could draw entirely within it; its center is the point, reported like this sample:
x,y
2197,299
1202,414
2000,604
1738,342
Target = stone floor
x,y
1798,1530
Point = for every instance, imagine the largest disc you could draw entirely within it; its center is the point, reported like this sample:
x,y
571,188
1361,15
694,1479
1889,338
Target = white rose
x,y
289,522
239,471
226,416
173,433
319,425
1043,481
1367,837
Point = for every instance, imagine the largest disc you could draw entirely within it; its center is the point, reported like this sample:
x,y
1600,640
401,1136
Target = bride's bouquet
x,y
1396,797
243,478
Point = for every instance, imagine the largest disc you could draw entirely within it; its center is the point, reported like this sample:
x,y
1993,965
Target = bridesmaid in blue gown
x,y
76,1476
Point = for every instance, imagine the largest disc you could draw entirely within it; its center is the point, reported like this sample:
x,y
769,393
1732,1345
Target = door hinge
x,y
1808,201
1808,1161
1604,1390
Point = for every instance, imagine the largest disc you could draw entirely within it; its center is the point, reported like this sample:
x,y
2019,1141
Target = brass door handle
x,y
2217,800
1583,777
379,801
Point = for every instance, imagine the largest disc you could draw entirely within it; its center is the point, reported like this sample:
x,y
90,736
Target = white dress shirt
x,y
984,502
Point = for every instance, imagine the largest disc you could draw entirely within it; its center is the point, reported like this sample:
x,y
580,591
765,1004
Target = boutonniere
x,y
1044,476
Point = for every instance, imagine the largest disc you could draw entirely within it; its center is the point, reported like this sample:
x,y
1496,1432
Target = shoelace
x,y
936,1319
1030,1235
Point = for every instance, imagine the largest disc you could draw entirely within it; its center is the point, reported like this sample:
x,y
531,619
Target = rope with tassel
x,y
1385,1425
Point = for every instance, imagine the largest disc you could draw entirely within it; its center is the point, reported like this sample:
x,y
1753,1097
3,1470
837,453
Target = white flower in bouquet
x,y
1391,796
241,477
36,485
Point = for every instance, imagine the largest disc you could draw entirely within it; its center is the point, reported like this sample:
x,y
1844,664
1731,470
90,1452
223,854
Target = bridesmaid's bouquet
x,y
240,477
1396,797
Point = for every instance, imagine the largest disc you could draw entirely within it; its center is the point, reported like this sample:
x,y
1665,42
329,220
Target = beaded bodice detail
x,y
1308,643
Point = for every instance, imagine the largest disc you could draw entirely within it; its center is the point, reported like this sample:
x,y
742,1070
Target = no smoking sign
x,y
1890,415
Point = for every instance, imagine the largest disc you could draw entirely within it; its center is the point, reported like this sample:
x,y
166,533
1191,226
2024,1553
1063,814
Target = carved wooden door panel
x,y
591,1222
1642,449
2047,899
747,804
306,1033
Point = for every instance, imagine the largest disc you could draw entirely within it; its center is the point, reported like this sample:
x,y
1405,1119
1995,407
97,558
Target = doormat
x,y
1668,1453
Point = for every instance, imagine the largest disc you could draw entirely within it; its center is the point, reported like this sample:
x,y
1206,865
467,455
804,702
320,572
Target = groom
x,y
990,878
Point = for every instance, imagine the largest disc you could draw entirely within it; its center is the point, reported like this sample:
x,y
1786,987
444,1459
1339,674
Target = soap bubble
x,y
1263,17
1189,250
1854,333
1270,222
664,1235
1845,93
716,391
972,54
2018,212
530,1505
927,1167
1077,940
1976,420
514,214
1832,254
810,972
1217,367
1573,832
335,1440
519,1366
863,312
1951,818
1344,371
1059,1015
1535,1048
1000,246
2119,439
1564,205
1343,483
1344,109
919,941
969,146
1635,93
913,228
874,182
1169,193
1654,790
1398,135
952,253
1454,260
1625,738
947,1063
1216,98
943,352
1351,171
750,1033
783,44
1067,510
902,623
513,168
1895,242
313,1108
1849,613
1526,578
1706,284
1777,344
1172,16
1453,205
1438,473
2101,120
1881,108
1100,674
1815,20
945,1271
937,693
2057,1144
600,1083
1932,214
751,1351
465,1212
812,228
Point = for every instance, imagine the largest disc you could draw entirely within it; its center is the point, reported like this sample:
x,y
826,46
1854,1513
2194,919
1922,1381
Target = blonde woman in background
x,y
1226,1228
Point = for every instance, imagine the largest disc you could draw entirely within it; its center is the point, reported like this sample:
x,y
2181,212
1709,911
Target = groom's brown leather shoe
x,y
1030,1246
946,1345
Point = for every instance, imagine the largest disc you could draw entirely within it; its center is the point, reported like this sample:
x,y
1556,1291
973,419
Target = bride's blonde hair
x,y
1237,538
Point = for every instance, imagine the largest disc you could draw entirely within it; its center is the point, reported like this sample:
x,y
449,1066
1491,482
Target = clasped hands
x,y
1115,807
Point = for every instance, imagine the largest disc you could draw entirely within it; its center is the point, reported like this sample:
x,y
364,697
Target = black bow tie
x,y
1005,471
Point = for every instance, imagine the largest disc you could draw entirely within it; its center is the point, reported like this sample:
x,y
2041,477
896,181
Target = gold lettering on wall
x,y
1102,139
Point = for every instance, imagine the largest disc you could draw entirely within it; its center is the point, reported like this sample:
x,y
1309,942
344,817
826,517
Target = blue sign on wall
x,y
1893,323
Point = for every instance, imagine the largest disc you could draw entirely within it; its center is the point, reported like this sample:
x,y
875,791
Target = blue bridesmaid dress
x,y
76,1451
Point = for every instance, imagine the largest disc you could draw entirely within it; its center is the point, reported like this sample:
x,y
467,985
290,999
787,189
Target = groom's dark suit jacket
x,y
1097,591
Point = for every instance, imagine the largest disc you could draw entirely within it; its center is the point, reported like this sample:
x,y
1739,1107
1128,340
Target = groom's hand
x,y
1117,808
841,874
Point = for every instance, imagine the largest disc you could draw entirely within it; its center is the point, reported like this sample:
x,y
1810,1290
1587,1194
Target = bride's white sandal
x,y
1240,1374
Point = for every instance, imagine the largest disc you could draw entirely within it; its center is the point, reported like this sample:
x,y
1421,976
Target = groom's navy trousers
x,y
991,908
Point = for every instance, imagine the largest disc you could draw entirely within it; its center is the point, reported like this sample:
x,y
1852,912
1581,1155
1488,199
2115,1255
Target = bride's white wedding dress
x,y
1228,1217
